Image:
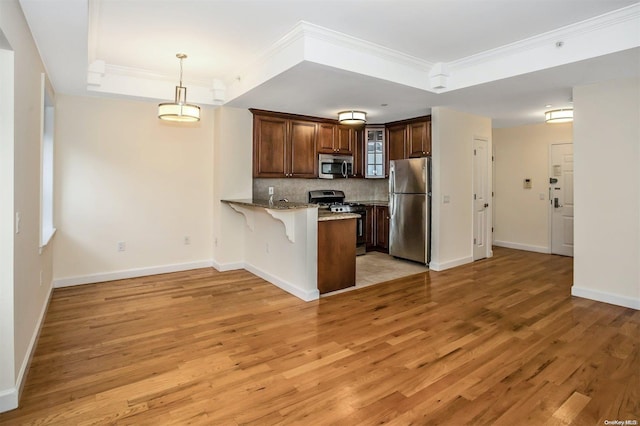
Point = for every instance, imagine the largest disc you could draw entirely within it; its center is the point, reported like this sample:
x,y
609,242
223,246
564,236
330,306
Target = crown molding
x,y
606,20
346,41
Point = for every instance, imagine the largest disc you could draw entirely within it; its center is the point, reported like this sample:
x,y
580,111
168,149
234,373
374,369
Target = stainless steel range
x,y
333,200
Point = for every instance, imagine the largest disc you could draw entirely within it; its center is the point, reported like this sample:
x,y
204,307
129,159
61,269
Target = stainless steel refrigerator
x,y
410,209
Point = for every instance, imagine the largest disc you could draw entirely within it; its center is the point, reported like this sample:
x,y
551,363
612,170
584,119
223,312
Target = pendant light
x,y
563,115
352,117
179,110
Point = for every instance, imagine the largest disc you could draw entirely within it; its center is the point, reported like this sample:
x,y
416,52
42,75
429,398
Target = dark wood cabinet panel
x,y
419,138
336,254
369,228
303,162
359,151
326,138
284,147
382,227
408,139
336,139
346,137
396,137
270,146
377,228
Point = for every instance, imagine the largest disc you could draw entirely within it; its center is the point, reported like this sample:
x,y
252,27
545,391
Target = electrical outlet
x,y
122,246
18,222
271,190
187,240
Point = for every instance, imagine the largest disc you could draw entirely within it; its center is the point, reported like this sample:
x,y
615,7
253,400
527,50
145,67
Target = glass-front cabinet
x,y
375,147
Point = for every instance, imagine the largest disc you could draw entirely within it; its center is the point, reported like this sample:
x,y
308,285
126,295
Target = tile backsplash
x,y
296,189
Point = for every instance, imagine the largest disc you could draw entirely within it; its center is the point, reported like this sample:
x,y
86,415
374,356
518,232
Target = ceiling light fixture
x,y
179,110
352,117
563,115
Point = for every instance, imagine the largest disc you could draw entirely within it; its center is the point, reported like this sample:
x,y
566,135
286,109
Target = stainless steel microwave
x,y
332,166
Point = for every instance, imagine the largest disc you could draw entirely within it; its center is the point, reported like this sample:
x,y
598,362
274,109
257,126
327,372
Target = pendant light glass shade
x,y
179,110
352,117
559,116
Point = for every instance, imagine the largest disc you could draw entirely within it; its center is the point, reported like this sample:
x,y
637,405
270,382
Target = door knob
x,y
486,205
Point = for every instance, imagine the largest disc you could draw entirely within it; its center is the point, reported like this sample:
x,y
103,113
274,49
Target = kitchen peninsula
x,y
282,244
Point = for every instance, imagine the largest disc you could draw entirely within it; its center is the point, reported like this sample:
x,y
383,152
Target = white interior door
x,y
480,199
561,195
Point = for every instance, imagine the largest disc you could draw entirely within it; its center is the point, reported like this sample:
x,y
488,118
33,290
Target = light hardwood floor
x,y
500,341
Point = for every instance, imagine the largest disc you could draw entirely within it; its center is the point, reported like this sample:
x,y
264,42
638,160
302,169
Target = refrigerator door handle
x,y
392,204
392,180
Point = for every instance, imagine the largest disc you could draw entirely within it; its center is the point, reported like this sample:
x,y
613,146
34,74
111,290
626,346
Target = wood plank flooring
x,y
500,341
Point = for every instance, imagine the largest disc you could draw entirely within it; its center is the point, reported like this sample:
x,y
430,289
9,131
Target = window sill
x,y
46,238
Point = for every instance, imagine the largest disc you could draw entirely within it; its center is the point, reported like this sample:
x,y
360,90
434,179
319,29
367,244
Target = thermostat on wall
x,y
527,183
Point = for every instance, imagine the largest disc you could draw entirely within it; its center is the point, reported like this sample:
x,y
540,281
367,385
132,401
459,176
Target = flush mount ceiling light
x,y
179,110
563,115
352,117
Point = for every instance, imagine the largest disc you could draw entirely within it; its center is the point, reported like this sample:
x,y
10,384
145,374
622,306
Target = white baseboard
x,y
518,246
9,398
603,296
130,273
437,266
306,295
228,266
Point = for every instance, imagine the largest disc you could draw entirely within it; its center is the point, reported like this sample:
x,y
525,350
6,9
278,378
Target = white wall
x,y
452,223
122,175
607,192
232,179
23,294
521,218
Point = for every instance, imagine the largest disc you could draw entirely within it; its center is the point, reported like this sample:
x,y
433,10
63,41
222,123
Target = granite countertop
x,y
372,202
275,205
327,215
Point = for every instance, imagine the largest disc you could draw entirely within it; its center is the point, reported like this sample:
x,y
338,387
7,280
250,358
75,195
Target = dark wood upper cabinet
x,y
396,141
408,139
303,161
284,147
419,138
359,151
270,152
287,145
346,139
327,138
335,139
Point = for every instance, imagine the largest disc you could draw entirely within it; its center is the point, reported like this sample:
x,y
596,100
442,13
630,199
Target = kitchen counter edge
x,y
372,202
275,205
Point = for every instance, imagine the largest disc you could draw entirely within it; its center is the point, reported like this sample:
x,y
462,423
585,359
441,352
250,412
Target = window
x,y
46,166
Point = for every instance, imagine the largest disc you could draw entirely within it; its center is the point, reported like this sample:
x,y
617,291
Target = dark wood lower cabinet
x,y
336,254
382,228
377,228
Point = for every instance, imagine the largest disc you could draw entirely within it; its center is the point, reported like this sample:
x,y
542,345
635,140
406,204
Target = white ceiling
x,y
498,57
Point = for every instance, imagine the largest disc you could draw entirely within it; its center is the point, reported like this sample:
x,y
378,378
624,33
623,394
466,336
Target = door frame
x,y
489,214
549,195
8,400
